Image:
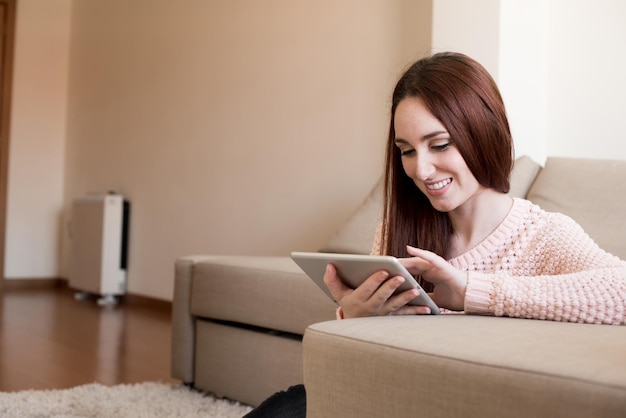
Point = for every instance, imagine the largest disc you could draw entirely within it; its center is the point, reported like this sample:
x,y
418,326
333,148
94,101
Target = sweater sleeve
x,y
573,280
595,296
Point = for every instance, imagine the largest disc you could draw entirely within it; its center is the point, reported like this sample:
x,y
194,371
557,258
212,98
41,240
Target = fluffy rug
x,y
141,400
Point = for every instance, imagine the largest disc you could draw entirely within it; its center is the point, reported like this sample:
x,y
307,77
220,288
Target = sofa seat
x,y
460,366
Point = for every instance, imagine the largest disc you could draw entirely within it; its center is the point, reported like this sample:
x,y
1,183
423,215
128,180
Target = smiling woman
x,y
447,97
430,158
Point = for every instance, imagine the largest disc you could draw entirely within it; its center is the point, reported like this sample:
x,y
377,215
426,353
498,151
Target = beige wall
x,y
586,78
232,127
523,65
256,129
470,27
559,65
37,139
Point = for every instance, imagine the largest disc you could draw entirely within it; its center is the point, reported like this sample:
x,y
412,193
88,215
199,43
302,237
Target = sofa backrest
x,y
590,191
357,234
523,176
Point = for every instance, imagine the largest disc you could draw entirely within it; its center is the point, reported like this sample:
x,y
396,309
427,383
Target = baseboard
x,y
62,284
33,283
147,302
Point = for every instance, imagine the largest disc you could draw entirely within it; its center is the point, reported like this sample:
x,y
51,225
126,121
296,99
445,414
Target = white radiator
x,y
99,236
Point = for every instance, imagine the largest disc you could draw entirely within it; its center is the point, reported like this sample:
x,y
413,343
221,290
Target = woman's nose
x,y
424,167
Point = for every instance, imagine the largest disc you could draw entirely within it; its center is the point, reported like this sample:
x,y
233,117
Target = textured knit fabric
x,y
542,265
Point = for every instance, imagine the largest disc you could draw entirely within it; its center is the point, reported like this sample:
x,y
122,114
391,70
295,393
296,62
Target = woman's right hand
x,y
374,297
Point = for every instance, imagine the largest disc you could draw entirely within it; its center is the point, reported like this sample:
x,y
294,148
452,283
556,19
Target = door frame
x,y
6,83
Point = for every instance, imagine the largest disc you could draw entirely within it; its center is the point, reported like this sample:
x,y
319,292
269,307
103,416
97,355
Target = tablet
x,y
354,269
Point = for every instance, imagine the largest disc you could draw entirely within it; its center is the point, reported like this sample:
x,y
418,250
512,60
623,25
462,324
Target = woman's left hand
x,y
450,282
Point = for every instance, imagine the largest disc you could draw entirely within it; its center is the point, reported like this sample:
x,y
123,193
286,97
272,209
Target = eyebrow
x,y
433,134
424,138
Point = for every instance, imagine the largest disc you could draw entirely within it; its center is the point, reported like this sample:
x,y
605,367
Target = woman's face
x,y
430,158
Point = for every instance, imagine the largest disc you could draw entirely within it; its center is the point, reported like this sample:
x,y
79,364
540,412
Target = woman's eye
x,y
405,152
441,147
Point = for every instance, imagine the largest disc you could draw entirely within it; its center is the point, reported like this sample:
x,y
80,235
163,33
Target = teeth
x,y
439,185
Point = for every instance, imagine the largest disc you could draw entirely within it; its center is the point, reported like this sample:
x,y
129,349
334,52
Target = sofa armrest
x,y
183,332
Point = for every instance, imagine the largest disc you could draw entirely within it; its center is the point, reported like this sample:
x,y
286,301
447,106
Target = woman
x,y
449,157
449,219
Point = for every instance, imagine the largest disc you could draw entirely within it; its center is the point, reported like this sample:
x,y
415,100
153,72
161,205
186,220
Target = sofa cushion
x,y
590,191
267,292
464,366
524,172
357,234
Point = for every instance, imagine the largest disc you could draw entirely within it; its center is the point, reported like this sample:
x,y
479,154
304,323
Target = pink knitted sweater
x,y
542,265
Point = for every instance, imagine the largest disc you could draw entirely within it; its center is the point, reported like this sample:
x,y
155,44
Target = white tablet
x,y
354,269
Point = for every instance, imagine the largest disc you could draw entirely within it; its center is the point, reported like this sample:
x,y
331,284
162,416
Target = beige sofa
x,y
239,322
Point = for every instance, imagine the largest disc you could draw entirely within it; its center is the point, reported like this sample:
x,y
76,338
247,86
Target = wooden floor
x,y
50,340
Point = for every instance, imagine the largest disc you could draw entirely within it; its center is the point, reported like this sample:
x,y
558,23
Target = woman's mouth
x,y
439,185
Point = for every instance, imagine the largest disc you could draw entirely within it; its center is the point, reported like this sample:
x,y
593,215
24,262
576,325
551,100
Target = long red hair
x,y
462,95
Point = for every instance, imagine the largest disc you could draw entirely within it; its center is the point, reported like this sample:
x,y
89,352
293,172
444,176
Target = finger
x,y
412,250
430,260
415,265
428,256
382,296
412,310
372,285
398,301
337,288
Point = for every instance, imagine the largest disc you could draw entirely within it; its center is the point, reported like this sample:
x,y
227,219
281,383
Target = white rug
x,y
141,400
